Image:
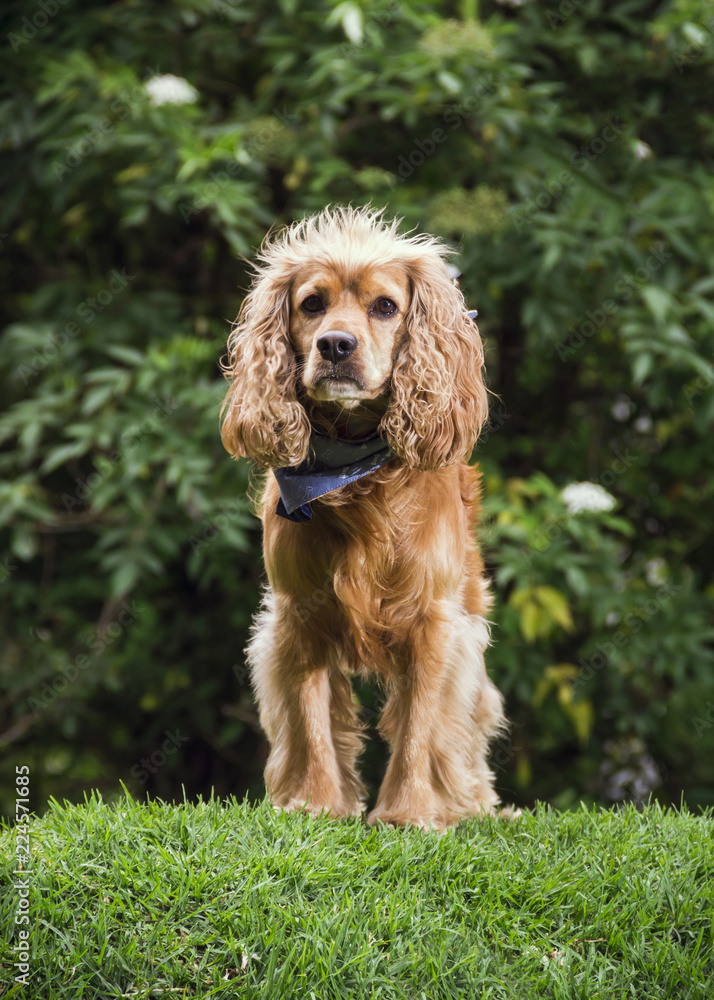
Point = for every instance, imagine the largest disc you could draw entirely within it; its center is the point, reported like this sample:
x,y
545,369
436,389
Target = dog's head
x,y
348,318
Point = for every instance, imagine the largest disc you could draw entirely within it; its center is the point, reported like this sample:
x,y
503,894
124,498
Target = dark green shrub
x,y
564,151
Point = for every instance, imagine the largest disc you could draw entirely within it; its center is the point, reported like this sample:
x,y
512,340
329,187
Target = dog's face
x,y
346,314
347,327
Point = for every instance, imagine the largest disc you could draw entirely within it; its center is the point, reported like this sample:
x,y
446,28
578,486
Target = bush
x,y
564,151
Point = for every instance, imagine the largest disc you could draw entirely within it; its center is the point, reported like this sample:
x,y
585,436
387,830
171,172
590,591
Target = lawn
x,y
235,900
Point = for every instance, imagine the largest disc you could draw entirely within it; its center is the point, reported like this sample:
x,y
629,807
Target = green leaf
x,y
582,714
551,257
61,455
24,543
557,606
658,301
96,398
530,621
124,579
349,15
642,367
130,355
449,82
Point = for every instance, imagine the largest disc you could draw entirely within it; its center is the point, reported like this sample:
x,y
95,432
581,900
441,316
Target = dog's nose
x,y
336,345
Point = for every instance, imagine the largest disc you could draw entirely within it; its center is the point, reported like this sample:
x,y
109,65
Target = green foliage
x,y
564,149
239,901
595,639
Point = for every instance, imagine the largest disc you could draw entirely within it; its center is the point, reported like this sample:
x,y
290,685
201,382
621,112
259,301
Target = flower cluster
x,y
586,496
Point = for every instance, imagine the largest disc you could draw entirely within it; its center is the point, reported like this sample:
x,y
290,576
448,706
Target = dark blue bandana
x,y
332,463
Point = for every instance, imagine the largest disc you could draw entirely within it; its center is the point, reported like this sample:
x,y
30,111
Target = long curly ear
x,y
262,418
439,401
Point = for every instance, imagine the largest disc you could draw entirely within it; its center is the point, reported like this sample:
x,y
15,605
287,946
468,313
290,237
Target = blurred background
x,y
564,149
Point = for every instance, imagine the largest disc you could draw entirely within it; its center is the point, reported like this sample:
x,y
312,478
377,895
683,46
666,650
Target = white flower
x,y
656,572
643,424
587,496
170,89
621,408
642,150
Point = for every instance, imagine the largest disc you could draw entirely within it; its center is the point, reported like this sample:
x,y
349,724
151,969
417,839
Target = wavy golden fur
x,y
350,329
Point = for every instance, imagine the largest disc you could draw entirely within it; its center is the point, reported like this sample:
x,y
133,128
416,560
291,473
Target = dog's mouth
x,y
337,384
340,379
353,417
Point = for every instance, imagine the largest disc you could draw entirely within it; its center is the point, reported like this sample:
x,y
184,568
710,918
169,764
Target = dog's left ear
x,y
439,401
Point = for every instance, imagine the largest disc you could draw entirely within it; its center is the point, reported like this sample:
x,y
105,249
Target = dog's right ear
x,y
262,418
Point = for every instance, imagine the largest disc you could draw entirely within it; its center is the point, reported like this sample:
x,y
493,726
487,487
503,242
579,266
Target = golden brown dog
x,y
352,333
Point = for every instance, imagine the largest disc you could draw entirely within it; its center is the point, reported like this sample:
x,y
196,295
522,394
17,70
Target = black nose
x,y
336,345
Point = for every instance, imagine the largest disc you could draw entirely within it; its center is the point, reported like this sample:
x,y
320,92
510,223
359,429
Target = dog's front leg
x,y
439,717
306,710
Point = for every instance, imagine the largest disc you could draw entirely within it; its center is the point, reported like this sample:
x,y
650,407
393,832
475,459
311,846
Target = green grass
x,y
214,900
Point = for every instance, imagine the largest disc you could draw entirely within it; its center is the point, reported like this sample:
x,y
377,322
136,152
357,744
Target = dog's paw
x,y
323,809
400,818
508,813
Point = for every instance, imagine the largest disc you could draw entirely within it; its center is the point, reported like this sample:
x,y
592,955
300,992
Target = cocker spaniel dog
x,y
356,377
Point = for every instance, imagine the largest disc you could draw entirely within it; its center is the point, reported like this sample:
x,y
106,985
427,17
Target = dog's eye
x,y
385,307
312,304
